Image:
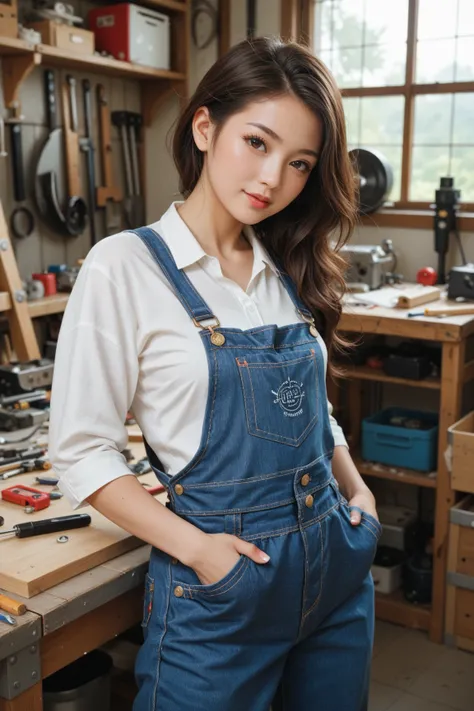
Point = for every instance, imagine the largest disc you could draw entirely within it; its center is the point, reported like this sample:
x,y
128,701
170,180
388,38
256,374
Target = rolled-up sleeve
x,y
95,378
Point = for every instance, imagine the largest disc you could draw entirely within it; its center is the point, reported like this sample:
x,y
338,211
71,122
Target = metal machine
x,y
369,265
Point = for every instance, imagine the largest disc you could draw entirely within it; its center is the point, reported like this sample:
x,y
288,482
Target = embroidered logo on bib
x,y
290,397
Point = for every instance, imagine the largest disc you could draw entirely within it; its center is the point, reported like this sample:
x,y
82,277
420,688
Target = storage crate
x,y
400,446
461,439
459,629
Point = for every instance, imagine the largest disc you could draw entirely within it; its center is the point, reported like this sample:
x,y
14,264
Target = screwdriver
x,y
49,525
28,466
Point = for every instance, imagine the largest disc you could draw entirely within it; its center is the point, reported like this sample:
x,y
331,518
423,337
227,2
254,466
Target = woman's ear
x,y
202,129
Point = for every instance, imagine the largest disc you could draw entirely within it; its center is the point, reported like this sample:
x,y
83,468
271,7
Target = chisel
x,y
48,525
12,606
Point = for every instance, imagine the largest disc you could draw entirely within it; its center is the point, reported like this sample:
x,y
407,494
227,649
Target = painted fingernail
x,y
264,557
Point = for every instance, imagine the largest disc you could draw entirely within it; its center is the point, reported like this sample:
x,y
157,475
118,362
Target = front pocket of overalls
x,y
281,397
215,590
148,600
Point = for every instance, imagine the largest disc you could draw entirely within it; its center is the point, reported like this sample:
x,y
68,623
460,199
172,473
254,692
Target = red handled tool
x,y
27,496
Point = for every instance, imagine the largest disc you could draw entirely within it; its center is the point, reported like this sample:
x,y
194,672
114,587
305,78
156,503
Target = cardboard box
x,y
8,19
461,438
73,39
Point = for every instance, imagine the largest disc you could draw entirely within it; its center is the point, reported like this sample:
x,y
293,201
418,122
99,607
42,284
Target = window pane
x,y
348,23
437,18
381,120
462,169
435,61
464,59
322,25
326,57
393,156
463,129
347,66
429,164
352,113
383,25
384,65
466,17
433,119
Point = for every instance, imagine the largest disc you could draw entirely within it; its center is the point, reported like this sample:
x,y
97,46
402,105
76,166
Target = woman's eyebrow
x,y
274,135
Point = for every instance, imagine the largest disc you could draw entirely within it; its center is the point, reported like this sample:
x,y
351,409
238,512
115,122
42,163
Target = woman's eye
x,y
256,143
302,166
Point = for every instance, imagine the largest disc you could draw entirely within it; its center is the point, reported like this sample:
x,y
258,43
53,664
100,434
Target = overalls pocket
x,y
148,600
215,590
280,396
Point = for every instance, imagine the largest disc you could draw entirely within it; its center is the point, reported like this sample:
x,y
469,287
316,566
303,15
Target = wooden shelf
x,y
11,45
382,471
166,5
56,57
394,608
366,373
48,305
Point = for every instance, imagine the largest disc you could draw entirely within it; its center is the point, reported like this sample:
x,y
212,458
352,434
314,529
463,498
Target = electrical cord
x,y
461,248
203,7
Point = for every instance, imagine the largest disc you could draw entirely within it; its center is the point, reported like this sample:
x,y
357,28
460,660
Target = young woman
x,y
213,325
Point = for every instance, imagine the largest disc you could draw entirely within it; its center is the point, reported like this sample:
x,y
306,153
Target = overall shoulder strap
x,y
179,280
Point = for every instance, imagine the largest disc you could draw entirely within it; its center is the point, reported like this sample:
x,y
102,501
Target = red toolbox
x,y
132,34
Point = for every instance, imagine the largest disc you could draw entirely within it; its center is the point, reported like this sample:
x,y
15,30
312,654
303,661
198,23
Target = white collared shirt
x,y
126,343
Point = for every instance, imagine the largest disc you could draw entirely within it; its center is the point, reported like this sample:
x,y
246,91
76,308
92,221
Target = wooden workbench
x,y
453,333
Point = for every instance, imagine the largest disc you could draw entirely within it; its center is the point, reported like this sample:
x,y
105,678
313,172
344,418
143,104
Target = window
x,y
406,72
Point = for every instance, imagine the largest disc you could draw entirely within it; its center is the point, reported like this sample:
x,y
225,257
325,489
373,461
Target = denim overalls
x,y
296,632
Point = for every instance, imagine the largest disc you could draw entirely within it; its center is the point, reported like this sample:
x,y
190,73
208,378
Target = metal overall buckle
x,y
312,325
217,339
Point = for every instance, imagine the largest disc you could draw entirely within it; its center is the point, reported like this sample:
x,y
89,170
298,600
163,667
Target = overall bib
x,y
296,632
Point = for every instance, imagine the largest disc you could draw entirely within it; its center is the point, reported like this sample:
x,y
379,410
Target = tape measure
x,y
26,496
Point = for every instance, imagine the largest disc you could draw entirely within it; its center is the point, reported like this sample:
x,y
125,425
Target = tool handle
x,y
86,89
19,192
450,311
12,606
51,105
51,525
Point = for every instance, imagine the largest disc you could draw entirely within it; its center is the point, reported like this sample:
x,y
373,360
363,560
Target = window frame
x,y
403,213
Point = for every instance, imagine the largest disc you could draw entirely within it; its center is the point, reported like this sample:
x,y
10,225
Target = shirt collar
x,y
186,250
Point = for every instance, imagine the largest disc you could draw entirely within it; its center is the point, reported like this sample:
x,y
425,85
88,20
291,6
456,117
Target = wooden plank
x,y
90,631
56,57
33,565
411,218
5,301
366,373
453,358
289,19
224,26
394,608
21,327
355,410
30,700
400,474
48,305
11,45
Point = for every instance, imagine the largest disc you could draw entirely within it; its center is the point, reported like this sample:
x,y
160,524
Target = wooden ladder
x,y
13,300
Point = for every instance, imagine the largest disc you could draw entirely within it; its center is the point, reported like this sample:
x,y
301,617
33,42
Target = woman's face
x,y
263,156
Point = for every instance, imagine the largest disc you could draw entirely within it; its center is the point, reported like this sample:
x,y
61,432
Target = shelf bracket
x,y
15,70
154,95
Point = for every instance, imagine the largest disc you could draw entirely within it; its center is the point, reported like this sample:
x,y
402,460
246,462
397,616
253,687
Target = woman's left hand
x,y
363,501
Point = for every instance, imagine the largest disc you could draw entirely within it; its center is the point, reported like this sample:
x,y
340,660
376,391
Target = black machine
x,y
375,179
446,205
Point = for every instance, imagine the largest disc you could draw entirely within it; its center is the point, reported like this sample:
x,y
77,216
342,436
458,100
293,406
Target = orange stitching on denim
x,y
223,587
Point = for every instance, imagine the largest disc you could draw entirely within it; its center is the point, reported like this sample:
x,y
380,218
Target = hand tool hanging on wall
x,y
87,146
21,221
108,194
76,211
120,119
134,125
50,173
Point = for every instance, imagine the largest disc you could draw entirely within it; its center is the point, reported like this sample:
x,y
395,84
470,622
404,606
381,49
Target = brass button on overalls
x,y
179,490
309,501
178,591
305,479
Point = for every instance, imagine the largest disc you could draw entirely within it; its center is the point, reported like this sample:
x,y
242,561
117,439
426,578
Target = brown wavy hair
x,y
299,237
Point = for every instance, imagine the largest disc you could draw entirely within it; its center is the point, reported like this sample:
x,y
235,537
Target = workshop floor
x,y
410,673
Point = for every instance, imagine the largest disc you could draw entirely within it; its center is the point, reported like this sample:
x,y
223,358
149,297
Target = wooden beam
x,y
409,113
224,26
289,20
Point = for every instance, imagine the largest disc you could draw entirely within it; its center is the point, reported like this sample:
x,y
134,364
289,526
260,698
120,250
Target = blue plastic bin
x,y
400,446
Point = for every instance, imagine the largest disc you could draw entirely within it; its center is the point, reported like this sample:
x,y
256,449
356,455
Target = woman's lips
x,y
257,201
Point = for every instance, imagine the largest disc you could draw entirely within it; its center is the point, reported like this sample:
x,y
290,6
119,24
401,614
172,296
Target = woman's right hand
x,y
219,552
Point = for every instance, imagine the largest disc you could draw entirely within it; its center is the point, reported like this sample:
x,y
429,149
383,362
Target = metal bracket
x,y
21,669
